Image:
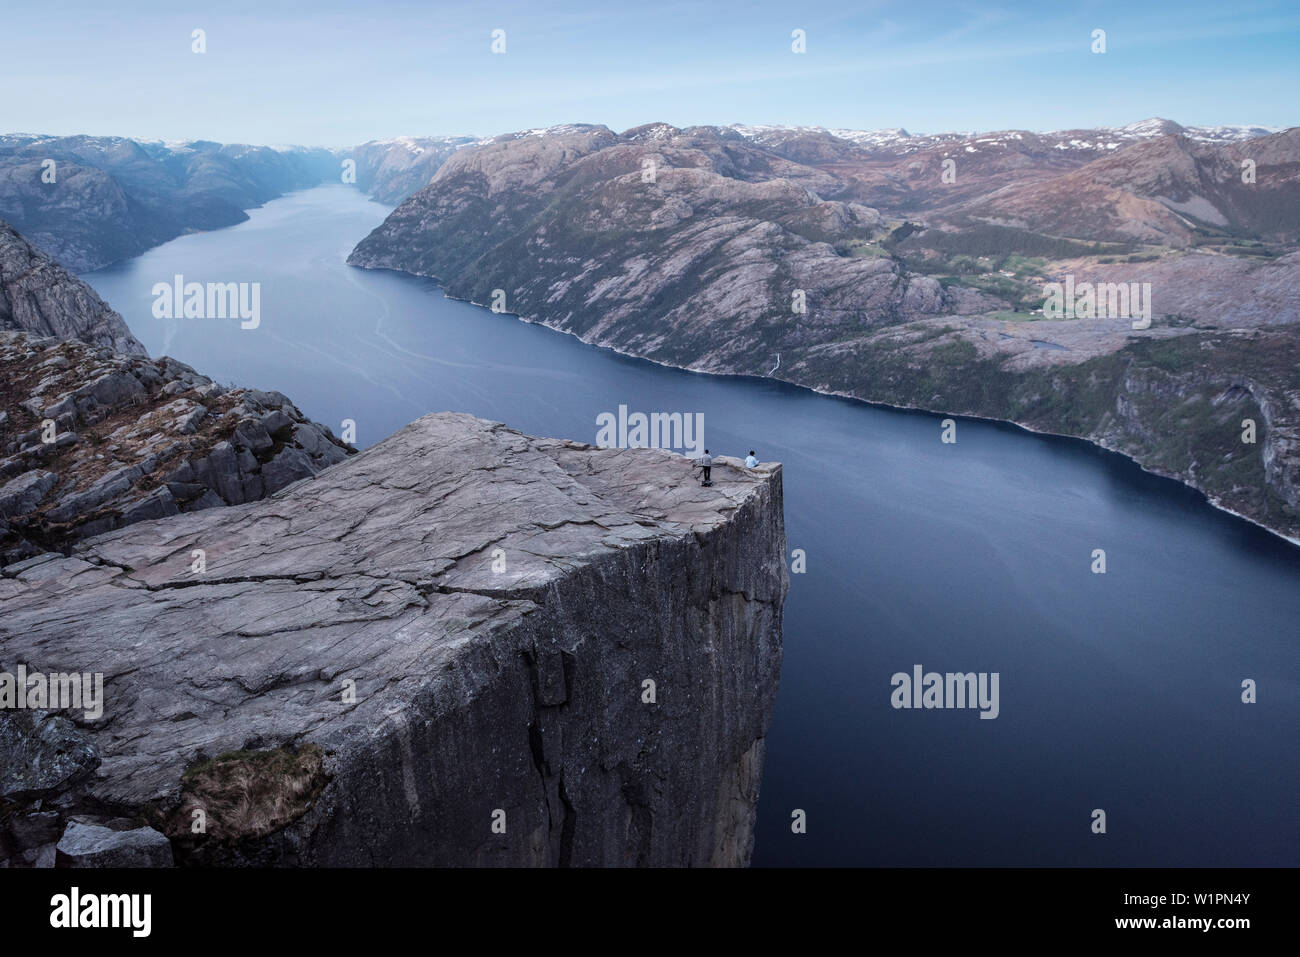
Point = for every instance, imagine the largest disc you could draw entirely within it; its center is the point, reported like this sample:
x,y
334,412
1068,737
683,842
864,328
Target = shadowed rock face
x,y
496,603
39,296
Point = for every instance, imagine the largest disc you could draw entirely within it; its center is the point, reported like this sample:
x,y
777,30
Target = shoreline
x,y
877,403
1206,496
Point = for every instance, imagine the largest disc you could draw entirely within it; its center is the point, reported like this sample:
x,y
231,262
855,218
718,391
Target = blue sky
x,y
334,73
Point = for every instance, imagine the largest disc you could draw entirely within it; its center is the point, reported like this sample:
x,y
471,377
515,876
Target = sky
x,y
337,73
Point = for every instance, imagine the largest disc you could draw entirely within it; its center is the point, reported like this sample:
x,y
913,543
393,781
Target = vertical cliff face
x,y
464,646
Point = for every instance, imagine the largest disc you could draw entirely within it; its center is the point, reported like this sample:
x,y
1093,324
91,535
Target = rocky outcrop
x,y
92,440
41,754
461,646
39,296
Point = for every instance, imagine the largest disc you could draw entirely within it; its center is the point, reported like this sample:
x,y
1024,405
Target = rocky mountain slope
x,y
92,440
94,435
712,248
1167,190
1154,181
37,295
114,197
391,170
111,198
706,249
462,646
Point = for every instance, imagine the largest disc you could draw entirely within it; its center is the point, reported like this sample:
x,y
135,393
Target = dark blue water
x,y
1119,691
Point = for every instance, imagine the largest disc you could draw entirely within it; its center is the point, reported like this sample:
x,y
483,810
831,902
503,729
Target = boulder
x,y
88,845
24,493
41,752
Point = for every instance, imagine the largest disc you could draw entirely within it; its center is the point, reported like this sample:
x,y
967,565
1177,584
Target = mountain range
x,y
863,271
113,197
898,268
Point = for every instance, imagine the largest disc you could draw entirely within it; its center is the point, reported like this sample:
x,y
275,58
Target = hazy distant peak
x,y
562,129
650,131
420,142
1155,126
1098,138
761,133
1158,126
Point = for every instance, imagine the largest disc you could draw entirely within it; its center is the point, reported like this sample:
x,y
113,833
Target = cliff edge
x,y
463,646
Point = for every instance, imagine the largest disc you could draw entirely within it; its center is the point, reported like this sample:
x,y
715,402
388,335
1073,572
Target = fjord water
x,y
1119,692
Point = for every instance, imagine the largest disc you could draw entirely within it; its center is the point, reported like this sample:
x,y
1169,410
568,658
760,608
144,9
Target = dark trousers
x,y
707,470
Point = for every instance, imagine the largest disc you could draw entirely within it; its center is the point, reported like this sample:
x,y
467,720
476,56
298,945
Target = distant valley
x,y
897,268
90,201
93,200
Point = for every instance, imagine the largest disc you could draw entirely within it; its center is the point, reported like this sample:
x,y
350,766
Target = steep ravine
x,y
450,630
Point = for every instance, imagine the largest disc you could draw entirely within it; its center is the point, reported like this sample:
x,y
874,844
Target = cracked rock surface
x,y
464,620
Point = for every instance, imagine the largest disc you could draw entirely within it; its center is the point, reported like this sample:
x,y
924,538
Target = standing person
x,y
750,462
705,462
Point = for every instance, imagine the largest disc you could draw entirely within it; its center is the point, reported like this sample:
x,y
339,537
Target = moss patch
x,y
247,794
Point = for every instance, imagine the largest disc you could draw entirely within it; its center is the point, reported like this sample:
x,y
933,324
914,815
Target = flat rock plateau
x,y
463,646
